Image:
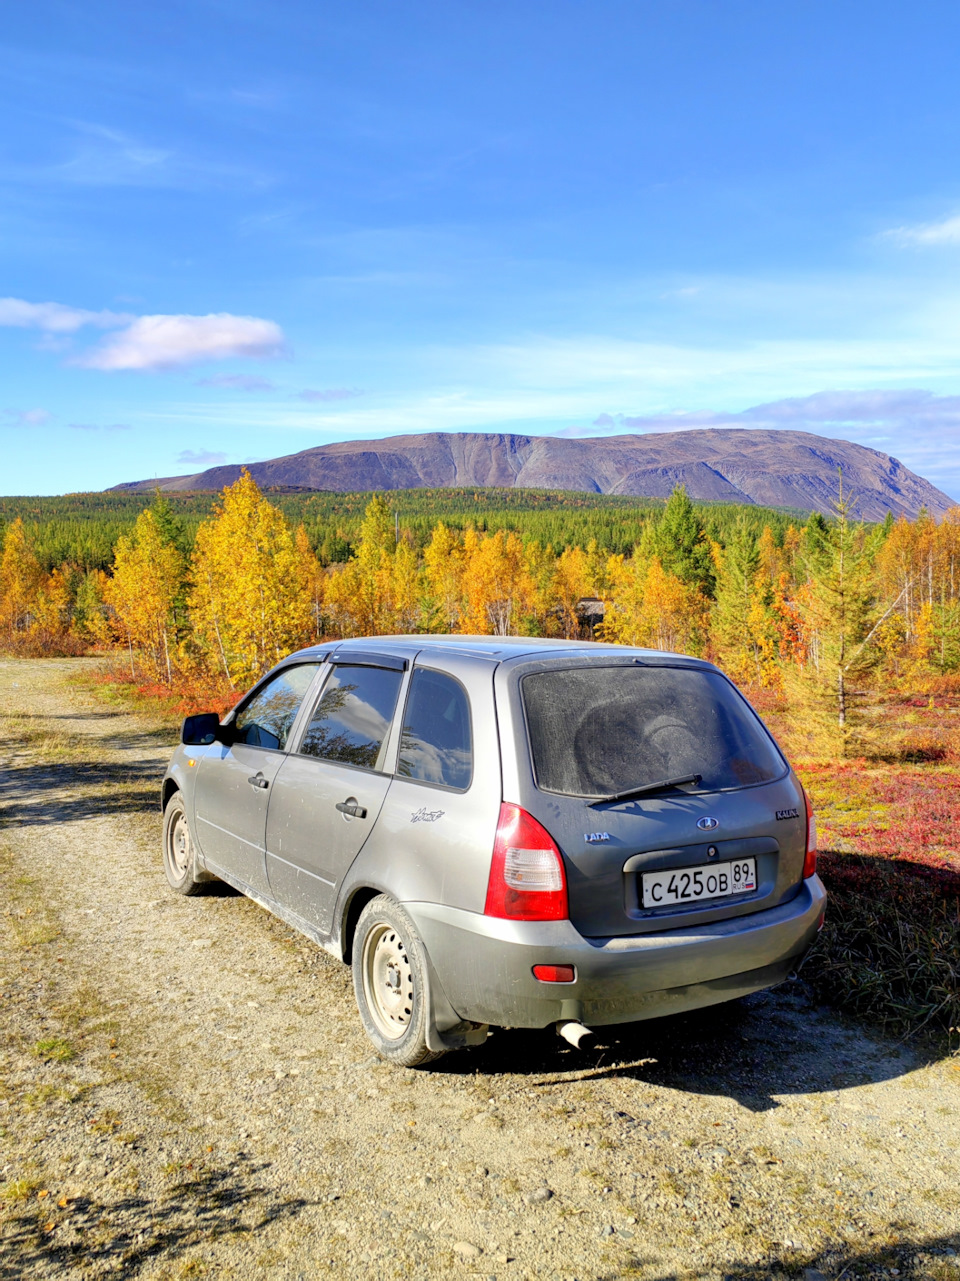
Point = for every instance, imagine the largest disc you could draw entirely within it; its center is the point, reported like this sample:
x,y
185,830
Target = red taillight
x,y
527,881
810,861
555,973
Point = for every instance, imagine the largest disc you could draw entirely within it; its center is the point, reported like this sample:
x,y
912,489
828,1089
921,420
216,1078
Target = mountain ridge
x,y
764,467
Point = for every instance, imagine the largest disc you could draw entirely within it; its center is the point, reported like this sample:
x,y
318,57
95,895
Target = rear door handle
x,y
351,808
257,780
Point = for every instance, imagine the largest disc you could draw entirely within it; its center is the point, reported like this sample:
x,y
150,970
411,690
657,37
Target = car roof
x,y
496,649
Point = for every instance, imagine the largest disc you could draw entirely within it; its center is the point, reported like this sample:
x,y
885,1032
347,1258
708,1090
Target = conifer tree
x,y
738,567
679,542
840,618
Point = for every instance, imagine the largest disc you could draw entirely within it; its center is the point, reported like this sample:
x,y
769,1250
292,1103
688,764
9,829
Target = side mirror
x,y
201,729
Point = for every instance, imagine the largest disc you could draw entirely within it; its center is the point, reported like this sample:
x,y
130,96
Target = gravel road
x,y
186,1090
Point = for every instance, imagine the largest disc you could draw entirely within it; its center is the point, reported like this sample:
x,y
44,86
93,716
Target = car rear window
x,y
435,742
595,731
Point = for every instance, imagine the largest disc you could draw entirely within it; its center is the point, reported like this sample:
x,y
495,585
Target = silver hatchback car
x,y
504,831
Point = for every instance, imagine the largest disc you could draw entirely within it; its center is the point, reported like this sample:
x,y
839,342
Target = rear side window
x,y
267,719
353,716
435,743
599,730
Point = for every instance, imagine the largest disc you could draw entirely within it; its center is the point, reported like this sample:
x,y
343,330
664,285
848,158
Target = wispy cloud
x,y
28,417
98,155
832,411
111,427
201,457
173,342
328,394
55,317
945,232
238,382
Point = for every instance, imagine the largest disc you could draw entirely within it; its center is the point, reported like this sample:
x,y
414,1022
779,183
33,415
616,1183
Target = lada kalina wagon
x,y
504,832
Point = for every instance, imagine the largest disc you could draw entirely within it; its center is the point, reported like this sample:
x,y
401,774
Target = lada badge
x,y
593,837
707,824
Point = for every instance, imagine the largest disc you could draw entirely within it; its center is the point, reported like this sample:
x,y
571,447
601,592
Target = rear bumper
x,y
485,965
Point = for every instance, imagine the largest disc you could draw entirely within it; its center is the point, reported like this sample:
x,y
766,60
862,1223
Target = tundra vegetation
x,y
845,636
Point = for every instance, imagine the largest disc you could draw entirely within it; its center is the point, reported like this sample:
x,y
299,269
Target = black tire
x,y
389,980
179,856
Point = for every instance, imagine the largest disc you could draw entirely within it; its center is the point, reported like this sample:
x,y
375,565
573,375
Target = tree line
x,y
820,609
82,529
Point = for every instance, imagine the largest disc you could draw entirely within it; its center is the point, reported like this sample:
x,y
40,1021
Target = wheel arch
x,y
170,785
358,900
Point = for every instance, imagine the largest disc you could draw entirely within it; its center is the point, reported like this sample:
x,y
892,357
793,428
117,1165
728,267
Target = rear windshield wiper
x,y
644,788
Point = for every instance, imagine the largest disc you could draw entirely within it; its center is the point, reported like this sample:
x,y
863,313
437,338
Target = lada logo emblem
x,y
707,824
592,837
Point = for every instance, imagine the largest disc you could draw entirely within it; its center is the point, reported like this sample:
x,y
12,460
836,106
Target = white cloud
x,y
155,342
237,382
201,457
172,342
54,317
945,232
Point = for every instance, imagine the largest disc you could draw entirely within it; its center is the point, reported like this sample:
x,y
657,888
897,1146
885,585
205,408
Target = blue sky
x,y
230,231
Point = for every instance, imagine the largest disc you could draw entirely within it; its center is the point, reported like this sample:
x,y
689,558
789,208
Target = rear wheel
x,y
389,979
179,859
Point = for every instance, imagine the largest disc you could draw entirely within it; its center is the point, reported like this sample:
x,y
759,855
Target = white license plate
x,y
691,884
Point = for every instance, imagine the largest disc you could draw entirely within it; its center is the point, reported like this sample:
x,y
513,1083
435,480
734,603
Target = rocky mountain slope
x,y
769,468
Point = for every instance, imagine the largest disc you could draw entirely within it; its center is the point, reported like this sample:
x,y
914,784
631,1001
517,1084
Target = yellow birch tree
x,y
148,572
20,577
249,603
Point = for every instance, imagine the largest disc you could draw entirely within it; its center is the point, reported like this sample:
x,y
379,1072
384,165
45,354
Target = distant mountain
x,y
769,468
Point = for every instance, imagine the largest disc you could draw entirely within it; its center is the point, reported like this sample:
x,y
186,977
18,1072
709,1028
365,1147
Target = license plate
x,y
692,884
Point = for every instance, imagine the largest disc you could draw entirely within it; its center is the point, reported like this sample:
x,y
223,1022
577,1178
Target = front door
x,y
234,781
328,794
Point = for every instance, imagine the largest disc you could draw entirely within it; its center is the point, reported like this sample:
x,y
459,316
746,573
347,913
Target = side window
x,y
353,716
266,720
435,743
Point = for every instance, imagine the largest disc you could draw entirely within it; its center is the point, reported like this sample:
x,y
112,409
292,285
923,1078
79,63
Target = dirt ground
x,y
185,1088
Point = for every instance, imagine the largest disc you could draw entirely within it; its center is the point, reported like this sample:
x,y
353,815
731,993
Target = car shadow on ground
x,y
752,1050
130,1234
64,792
912,1257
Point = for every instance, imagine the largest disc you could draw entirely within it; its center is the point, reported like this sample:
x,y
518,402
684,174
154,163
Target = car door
x,y
436,830
328,792
234,780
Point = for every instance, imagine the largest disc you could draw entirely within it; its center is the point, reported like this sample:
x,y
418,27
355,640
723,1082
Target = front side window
x,y
595,731
267,719
353,716
435,743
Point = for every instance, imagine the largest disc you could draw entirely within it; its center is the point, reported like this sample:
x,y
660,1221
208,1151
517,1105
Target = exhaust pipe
x,y
575,1033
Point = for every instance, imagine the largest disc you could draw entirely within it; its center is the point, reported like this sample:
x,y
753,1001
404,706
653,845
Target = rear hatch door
x,y
729,842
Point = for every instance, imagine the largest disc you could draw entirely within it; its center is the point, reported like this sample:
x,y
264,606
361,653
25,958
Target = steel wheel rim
x,y
387,981
179,845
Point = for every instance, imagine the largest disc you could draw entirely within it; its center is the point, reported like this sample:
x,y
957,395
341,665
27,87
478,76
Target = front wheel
x,y
389,979
179,861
